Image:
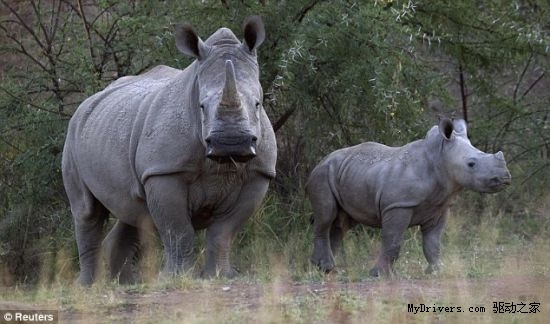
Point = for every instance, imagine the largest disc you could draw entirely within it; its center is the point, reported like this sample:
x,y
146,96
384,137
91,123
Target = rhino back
x,y
370,178
115,136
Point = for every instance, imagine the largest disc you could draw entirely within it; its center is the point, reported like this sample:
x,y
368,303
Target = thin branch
x,y
532,85
46,48
41,25
23,50
25,125
525,151
55,24
521,76
301,15
102,12
532,174
29,103
10,144
283,119
482,26
339,121
23,24
463,92
107,39
88,34
63,28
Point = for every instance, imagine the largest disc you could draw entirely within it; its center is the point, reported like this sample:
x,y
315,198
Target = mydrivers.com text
x,y
497,308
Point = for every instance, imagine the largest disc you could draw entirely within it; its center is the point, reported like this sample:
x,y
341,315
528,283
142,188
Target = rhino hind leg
x,y
89,224
336,237
325,212
337,231
122,249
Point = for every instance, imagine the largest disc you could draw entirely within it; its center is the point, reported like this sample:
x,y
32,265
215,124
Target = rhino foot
x,y
168,273
129,277
378,272
325,264
232,272
374,272
84,281
432,269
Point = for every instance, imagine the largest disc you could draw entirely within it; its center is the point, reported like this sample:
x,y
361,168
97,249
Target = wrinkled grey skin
x,y
398,187
175,150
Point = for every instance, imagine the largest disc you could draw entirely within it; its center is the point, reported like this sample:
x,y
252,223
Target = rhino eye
x,y
258,105
202,107
471,164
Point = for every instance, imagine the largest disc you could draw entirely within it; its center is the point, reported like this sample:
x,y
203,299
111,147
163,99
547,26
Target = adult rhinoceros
x,y
181,150
396,188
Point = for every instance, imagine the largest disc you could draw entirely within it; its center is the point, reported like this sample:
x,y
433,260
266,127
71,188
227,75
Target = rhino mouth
x,y
499,183
226,149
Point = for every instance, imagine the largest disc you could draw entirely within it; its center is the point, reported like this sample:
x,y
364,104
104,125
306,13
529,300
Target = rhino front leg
x,y
394,224
220,234
167,200
431,242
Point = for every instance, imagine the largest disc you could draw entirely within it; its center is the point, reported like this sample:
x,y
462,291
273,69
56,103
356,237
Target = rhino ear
x,y
460,127
254,33
189,43
446,128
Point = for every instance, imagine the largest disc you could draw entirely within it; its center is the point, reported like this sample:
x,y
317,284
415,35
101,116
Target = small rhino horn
x,y
499,155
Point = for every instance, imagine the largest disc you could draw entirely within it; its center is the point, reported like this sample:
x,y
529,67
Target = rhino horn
x,y
230,95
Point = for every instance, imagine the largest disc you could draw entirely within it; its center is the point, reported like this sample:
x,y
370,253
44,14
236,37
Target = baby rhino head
x,y
468,166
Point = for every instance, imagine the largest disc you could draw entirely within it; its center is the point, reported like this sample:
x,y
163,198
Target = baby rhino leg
x,y
394,224
339,228
431,242
325,211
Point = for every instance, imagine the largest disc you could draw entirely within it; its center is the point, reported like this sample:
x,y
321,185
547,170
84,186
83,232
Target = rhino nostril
x,y
208,140
500,180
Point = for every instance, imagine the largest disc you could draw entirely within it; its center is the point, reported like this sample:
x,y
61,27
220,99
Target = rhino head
x,y
227,89
468,166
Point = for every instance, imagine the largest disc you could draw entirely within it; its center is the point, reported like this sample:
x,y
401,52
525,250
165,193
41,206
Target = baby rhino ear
x,y
460,127
189,43
446,128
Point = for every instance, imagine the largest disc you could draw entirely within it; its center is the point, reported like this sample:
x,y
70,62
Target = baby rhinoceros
x,y
398,187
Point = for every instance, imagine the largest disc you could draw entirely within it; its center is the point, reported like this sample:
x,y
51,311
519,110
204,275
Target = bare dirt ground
x,y
252,298
250,302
